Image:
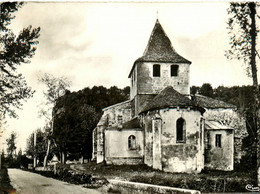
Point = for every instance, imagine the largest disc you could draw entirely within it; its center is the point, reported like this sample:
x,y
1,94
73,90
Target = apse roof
x,y
169,98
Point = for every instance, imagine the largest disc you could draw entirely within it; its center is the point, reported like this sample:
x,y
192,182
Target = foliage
x,y
15,50
11,147
243,35
194,90
55,87
76,114
243,98
5,185
41,145
206,90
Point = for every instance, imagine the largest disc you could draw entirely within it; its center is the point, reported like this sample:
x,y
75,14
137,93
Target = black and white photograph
x,y
129,97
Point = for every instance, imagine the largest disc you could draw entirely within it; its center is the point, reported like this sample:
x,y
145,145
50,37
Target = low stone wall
x,y
137,188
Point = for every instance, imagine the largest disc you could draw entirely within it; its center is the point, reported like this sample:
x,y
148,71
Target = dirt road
x,y
30,183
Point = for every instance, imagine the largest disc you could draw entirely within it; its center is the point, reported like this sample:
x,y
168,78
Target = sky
x,y
97,44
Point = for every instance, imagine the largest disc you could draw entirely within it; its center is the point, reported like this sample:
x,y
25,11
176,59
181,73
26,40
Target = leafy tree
x,y
41,144
2,159
243,35
11,147
14,50
19,158
73,128
194,90
56,87
243,40
76,114
206,90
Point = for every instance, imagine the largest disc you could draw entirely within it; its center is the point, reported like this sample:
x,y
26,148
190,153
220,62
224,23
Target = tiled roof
x,y
215,125
169,98
160,49
132,124
208,102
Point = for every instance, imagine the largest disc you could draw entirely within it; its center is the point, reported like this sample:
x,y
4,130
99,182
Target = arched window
x,y
131,142
180,130
174,70
156,70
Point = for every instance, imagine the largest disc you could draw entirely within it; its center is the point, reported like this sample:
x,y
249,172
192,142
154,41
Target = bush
x,y
68,175
5,186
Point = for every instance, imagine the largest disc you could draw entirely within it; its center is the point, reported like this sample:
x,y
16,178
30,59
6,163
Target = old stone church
x,y
162,125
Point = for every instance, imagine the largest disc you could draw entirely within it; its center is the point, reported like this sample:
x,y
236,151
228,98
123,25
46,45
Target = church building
x,y
162,125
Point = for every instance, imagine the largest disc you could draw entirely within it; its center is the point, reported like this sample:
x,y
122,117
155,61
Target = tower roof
x,y
170,98
160,49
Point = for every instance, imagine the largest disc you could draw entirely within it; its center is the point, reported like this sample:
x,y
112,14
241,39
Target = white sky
x,y
97,43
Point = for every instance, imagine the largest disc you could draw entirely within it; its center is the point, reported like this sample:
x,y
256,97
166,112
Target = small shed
x,y
219,146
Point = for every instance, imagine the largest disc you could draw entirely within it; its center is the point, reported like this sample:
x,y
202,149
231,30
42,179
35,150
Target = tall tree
x,y
41,144
243,35
11,147
55,88
76,114
14,50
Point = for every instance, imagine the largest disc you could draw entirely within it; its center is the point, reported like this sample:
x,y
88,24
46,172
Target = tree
x,y
206,90
73,126
41,144
76,114
11,147
56,87
243,35
14,50
194,90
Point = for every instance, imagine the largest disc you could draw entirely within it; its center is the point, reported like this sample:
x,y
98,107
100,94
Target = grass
x,y
5,186
207,181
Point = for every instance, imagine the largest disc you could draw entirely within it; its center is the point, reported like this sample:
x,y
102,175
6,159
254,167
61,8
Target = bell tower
x,y
159,67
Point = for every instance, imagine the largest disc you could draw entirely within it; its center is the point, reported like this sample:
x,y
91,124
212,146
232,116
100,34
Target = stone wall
x,y
147,84
220,158
116,146
176,157
231,118
111,114
137,188
115,116
133,84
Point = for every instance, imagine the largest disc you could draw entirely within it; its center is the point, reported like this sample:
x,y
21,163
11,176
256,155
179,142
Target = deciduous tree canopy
x,y
76,114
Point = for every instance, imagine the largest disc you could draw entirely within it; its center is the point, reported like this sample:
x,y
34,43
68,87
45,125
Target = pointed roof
x,y
160,49
169,98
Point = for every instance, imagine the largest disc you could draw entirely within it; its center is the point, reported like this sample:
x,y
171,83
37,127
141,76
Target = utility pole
x,y
34,143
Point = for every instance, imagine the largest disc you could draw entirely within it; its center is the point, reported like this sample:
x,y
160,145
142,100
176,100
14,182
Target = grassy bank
x,y
5,186
208,181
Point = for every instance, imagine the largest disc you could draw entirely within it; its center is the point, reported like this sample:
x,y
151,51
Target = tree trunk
x,y
63,157
253,43
82,159
47,154
253,34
